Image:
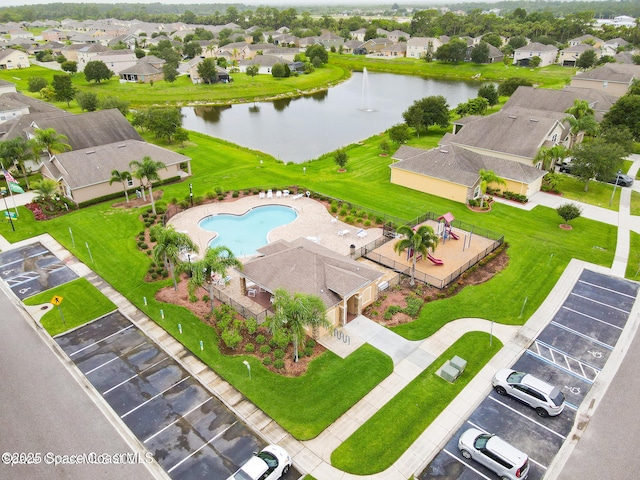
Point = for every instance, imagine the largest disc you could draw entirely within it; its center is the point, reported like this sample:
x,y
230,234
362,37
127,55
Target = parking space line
x,y
586,337
465,464
592,318
114,359
607,289
570,372
196,451
567,355
601,303
155,396
177,420
524,416
102,339
134,376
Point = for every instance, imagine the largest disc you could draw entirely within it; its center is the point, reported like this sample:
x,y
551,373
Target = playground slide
x,y
437,261
454,235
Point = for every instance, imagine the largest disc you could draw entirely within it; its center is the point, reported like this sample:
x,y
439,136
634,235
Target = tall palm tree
x,y
50,141
419,241
168,247
580,119
551,155
18,151
487,177
122,177
147,169
216,260
294,313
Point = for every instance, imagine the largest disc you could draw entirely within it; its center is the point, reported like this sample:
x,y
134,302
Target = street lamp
x,y
191,193
248,365
4,196
614,187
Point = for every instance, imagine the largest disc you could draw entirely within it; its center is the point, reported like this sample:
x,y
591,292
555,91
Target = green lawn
x,y
393,428
81,303
598,194
633,266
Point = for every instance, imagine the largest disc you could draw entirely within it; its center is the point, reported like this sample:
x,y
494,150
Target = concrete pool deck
x,y
313,222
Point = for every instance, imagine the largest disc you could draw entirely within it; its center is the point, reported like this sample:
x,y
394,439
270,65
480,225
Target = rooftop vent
x,y
533,120
444,151
122,145
89,152
512,116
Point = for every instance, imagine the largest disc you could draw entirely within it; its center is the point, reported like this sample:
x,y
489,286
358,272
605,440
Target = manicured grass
x,y
553,76
635,203
81,303
598,194
380,441
633,265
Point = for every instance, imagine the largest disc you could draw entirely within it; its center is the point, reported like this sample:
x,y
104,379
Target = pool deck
x,y
313,222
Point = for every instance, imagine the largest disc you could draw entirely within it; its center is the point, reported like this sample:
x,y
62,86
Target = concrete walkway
x,y
409,358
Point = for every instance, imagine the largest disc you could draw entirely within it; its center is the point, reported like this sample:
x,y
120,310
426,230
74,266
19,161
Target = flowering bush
x,y
37,211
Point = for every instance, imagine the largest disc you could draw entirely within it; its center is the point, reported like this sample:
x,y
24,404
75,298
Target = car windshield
x,y
481,441
241,475
557,397
515,377
268,459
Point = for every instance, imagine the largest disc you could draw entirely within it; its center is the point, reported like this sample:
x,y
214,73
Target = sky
x,y
275,3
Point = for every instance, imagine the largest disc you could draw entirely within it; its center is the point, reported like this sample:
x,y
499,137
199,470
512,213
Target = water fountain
x,y
366,97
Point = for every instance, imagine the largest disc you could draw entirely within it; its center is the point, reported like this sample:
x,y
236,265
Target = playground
x,y
457,250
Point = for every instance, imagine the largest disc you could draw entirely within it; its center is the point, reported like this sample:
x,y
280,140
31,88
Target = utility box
x,y
449,373
458,363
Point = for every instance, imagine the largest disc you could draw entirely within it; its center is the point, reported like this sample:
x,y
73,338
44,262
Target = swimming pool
x,y
244,234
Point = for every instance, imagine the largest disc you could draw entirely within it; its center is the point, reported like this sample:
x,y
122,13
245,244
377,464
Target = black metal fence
x,y
258,314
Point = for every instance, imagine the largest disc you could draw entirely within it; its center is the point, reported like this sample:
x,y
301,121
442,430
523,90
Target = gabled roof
x,y
91,129
580,48
141,68
536,47
306,267
612,72
461,166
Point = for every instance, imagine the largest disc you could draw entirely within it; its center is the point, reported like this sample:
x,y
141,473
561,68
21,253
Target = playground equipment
x,y
447,231
435,260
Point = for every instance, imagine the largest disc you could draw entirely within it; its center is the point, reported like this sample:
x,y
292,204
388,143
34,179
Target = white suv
x,y
544,398
270,464
495,454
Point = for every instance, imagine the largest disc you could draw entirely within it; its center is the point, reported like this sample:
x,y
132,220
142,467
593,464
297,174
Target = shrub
x,y
266,361
249,348
218,190
334,208
391,311
235,194
343,211
310,343
220,197
348,219
251,324
278,353
211,195
265,349
414,304
278,363
308,351
260,339
231,338
367,223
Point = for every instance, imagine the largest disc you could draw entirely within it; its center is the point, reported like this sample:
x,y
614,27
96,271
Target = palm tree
x,y
123,177
216,261
45,189
419,241
581,119
168,247
551,155
294,313
18,151
50,141
487,177
147,169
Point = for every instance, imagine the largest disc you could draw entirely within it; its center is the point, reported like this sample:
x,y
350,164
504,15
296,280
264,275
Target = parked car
x,y
546,399
565,165
500,457
622,180
270,464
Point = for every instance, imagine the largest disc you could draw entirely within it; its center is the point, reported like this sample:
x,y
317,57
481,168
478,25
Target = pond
x,y
302,129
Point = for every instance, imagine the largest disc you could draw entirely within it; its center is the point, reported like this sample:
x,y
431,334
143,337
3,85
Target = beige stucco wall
x,y
612,88
430,185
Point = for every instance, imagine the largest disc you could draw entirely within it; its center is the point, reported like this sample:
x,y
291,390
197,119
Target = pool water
x,y
246,233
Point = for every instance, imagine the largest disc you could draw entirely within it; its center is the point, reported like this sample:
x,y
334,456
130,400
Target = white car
x,y
270,464
505,460
546,399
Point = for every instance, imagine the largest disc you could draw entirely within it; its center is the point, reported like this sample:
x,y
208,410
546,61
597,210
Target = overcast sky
x,y
248,2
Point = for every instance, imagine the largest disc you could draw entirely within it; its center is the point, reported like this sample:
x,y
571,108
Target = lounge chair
x,y
279,194
251,292
285,193
362,233
224,281
261,195
342,233
334,220
269,194
299,195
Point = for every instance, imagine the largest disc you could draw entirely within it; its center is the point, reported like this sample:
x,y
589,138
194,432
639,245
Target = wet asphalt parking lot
x,y
190,433
570,352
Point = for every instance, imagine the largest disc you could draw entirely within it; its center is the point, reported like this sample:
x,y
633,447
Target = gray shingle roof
x,y
612,72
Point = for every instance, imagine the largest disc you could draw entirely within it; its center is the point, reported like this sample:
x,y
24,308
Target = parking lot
x,y
190,433
33,269
569,352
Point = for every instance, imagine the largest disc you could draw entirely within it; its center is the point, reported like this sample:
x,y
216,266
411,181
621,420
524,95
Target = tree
x,y
114,102
45,190
147,169
88,101
170,73
454,51
581,120
550,156
399,133
252,70
50,141
207,70
596,159
163,122
419,241
486,178
625,112
69,66
490,92
427,111
493,39
170,243
202,272
139,53
63,88
341,157
318,51
191,49
517,42
535,61
618,135
294,313
371,32
277,71
510,85
587,59
123,177
17,150
96,71
475,106
480,53
37,83
569,211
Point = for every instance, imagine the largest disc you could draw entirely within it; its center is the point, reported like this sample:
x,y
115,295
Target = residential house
x,y
586,40
420,47
547,53
11,59
144,71
359,34
330,39
495,55
398,36
612,78
625,57
611,47
265,62
301,266
115,60
395,50
351,45
54,35
372,46
88,53
192,71
569,56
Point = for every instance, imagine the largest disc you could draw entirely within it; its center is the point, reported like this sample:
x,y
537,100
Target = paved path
x,y
409,358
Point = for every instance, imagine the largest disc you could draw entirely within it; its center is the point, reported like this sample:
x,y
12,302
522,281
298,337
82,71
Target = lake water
x,y
302,129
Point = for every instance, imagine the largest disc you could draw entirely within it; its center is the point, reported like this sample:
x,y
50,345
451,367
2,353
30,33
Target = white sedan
x,y
270,464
